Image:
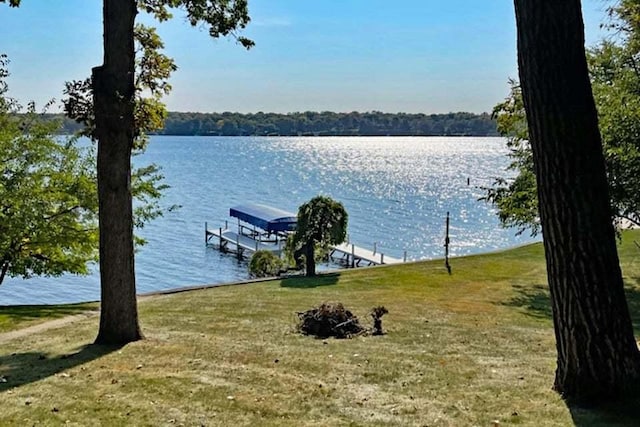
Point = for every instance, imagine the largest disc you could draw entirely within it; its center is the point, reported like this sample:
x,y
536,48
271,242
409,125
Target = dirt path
x,y
40,327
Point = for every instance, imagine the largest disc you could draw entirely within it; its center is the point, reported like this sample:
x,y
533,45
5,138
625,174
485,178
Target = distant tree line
x,y
326,123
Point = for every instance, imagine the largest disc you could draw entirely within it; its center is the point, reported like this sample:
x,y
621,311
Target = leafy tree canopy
x,y
326,123
322,221
265,264
153,70
615,79
48,198
311,123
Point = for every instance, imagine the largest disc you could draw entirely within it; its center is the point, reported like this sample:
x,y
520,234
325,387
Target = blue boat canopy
x,y
268,218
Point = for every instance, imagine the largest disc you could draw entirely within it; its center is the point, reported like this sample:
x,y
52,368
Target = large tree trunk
x,y
598,357
113,90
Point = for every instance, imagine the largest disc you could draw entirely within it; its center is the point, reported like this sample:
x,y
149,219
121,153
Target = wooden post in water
x,y
353,256
446,247
206,235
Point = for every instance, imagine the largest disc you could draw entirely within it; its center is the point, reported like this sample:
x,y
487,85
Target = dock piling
x,y
353,256
446,247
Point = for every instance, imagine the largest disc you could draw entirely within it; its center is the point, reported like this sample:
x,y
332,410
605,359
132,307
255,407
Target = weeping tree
x,y
598,358
322,221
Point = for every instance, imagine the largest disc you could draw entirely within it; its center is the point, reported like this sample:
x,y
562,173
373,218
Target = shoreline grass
x,y
465,349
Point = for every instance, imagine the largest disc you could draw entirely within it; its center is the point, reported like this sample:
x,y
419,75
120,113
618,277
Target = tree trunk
x,y
310,259
598,357
114,97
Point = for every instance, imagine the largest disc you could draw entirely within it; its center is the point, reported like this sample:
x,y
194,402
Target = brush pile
x,y
329,320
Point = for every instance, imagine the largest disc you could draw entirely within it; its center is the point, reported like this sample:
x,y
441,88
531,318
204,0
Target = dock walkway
x,y
355,255
350,254
242,242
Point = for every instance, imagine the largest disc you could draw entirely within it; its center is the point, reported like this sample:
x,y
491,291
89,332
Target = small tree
x,y
48,196
265,264
322,221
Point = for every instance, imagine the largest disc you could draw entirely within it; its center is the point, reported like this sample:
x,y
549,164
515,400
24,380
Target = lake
x,y
397,191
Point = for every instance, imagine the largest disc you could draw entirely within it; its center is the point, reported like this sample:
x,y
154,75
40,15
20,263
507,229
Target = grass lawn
x,y
20,316
460,350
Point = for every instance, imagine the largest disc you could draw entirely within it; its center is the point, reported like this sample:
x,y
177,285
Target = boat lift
x,y
268,229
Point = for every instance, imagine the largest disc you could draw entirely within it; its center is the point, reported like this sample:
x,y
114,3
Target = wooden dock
x,y
355,256
232,241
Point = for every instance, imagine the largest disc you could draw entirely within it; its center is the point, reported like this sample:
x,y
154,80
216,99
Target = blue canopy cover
x,y
268,218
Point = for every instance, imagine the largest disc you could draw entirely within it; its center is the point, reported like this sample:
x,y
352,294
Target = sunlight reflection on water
x,y
397,191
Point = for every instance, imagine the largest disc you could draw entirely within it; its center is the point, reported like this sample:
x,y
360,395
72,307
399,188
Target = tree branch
x,y
63,212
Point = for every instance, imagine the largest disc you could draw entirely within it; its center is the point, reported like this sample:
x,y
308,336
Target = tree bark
x,y
310,259
598,357
114,97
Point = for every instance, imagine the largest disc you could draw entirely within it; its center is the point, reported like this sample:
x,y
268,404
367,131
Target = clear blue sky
x,y
425,56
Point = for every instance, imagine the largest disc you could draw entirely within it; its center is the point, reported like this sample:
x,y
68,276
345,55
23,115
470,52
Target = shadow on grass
x,y
633,300
311,282
534,299
621,414
25,313
537,303
18,369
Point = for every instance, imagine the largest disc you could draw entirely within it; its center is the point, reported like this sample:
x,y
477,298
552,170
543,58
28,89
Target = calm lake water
x,y
396,190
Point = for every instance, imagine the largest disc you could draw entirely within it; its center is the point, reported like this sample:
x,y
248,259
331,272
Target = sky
x,y
414,56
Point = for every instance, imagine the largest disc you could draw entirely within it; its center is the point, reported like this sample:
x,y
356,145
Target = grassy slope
x,y
461,350
21,316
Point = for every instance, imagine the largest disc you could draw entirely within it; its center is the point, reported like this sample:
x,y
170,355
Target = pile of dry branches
x,y
329,320
333,320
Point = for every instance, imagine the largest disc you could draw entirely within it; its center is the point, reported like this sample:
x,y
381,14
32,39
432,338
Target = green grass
x,y
460,350
20,316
